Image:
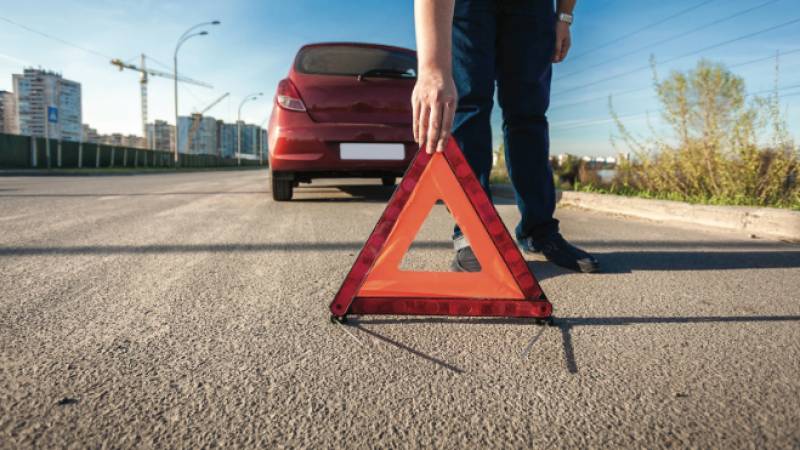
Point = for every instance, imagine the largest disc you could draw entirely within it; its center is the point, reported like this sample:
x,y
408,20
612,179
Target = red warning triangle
x,y
505,285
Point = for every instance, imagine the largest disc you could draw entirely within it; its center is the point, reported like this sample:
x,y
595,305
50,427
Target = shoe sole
x,y
583,266
589,266
455,266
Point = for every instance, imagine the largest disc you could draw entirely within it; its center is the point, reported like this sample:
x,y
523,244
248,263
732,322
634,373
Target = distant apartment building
x,y
122,140
8,113
198,135
254,140
35,92
226,137
201,135
248,137
161,136
89,134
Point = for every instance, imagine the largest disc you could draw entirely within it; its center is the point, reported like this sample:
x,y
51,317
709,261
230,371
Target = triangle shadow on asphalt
x,y
565,326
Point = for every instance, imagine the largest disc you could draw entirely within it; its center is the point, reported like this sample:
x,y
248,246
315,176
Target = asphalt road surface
x,y
190,310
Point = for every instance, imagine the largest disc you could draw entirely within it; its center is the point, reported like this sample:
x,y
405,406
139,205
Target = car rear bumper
x,y
314,148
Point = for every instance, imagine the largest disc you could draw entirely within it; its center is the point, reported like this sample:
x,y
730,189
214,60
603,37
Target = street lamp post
x,y
253,96
188,34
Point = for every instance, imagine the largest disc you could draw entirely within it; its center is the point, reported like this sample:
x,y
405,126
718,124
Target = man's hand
x,y
434,98
563,41
434,104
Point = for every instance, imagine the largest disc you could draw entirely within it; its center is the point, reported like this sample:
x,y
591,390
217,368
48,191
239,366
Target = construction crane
x,y
199,115
143,82
214,103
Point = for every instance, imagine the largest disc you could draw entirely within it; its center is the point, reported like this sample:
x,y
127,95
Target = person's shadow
x,y
652,257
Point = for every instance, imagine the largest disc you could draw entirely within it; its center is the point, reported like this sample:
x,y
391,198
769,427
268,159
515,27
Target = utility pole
x,y
143,94
175,61
253,96
184,37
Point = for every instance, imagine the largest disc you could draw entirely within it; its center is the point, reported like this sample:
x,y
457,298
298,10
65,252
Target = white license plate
x,y
372,151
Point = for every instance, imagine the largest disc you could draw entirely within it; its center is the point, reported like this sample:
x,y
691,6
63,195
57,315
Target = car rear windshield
x,y
353,60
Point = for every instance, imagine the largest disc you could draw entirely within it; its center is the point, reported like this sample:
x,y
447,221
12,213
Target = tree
x,y
712,152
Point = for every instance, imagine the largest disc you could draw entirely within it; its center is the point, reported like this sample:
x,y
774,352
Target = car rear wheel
x,y
282,189
388,181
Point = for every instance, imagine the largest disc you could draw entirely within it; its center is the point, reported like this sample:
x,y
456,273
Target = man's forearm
x,y
433,21
566,6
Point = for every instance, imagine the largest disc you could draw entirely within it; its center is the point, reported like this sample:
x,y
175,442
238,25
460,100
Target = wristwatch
x,y
566,18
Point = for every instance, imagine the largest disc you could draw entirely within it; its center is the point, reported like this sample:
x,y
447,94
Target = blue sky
x,y
252,49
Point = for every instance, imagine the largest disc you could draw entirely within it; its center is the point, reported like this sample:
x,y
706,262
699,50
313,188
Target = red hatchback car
x,y
344,111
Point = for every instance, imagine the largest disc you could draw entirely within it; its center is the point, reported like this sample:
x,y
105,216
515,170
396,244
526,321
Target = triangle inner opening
x,y
432,249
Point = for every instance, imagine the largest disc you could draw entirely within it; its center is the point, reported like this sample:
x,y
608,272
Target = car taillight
x,y
288,97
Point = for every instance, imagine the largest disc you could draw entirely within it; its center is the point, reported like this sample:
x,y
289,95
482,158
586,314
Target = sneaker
x,y
557,250
465,261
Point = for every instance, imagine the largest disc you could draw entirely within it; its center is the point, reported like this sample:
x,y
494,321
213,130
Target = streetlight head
x,y
203,33
216,22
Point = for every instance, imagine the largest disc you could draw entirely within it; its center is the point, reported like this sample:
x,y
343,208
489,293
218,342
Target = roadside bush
x,y
722,149
567,171
499,173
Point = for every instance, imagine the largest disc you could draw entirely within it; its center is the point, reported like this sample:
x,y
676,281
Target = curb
x,y
754,222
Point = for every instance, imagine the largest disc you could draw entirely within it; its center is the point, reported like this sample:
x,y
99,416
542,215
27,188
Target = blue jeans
x,y
511,43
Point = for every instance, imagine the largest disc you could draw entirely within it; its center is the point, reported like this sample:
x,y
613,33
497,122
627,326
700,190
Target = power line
x,y
692,53
568,125
669,39
159,63
597,121
632,91
782,88
764,58
599,97
57,39
608,2
644,28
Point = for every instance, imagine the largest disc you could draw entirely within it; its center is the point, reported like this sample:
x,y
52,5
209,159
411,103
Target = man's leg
x,y
473,73
474,23
526,40
525,45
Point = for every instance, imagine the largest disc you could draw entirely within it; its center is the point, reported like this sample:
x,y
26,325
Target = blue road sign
x,y
52,114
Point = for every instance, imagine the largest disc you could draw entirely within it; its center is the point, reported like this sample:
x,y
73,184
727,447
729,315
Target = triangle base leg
x,y
535,309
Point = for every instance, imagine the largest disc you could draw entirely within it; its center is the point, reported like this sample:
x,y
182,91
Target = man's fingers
x,y
565,49
557,52
447,125
415,107
422,124
434,127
